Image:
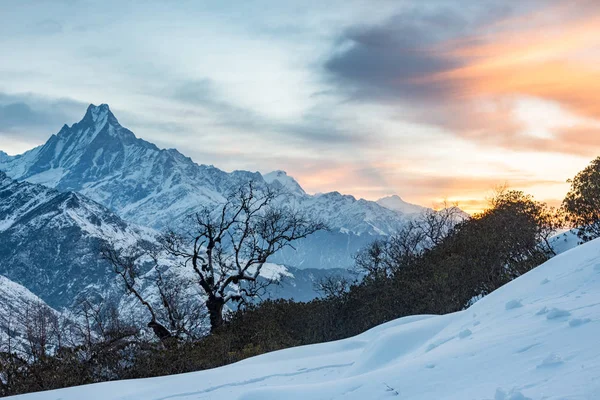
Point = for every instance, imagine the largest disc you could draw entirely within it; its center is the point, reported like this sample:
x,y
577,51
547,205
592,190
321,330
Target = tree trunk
x,y
215,311
159,330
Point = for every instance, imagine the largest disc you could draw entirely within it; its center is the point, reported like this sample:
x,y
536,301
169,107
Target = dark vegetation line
x,y
433,266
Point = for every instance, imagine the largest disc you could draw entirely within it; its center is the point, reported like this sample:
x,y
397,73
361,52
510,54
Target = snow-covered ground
x,y
564,240
535,338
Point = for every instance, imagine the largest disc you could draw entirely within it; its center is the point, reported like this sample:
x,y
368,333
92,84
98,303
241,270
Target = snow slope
x,y
535,338
4,157
564,240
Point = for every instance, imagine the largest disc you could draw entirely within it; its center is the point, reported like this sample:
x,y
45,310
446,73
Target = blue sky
x,y
428,100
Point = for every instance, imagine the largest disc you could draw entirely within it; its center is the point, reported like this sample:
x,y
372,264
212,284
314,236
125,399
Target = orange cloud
x,y
578,140
414,186
553,59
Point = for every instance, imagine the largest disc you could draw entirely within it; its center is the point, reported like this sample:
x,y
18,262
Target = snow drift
x,y
535,338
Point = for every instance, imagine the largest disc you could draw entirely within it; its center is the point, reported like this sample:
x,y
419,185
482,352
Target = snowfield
x,y
535,338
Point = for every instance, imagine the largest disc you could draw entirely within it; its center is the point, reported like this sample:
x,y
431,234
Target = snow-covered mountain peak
x,y
282,179
98,120
395,203
394,197
336,195
98,113
99,116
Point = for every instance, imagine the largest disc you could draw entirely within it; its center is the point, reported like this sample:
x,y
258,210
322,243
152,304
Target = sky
x,y
430,100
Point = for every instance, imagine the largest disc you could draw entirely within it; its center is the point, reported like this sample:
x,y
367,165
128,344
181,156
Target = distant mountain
x,y
4,157
395,203
154,187
50,240
280,179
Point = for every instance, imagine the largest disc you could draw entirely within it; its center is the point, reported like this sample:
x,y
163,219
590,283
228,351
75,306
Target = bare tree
x,y
97,322
127,263
228,246
333,286
383,257
437,224
11,364
37,328
180,304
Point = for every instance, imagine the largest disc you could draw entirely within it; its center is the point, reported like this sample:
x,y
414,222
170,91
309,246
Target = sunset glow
x,y
415,101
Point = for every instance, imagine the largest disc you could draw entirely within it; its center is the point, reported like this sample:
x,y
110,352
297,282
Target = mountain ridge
x,y
158,188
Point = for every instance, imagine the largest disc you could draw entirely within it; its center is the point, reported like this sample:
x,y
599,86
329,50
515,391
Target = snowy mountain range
x,y
148,186
95,182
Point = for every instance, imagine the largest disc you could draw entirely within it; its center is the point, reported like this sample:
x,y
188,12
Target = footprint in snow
x,y
476,323
352,389
578,322
542,311
513,304
556,313
524,349
465,333
512,395
545,281
438,343
552,360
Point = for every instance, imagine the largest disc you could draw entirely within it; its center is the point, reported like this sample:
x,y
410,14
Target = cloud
x,y
579,140
386,62
33,118
381,62
313,126
465,69
16,114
